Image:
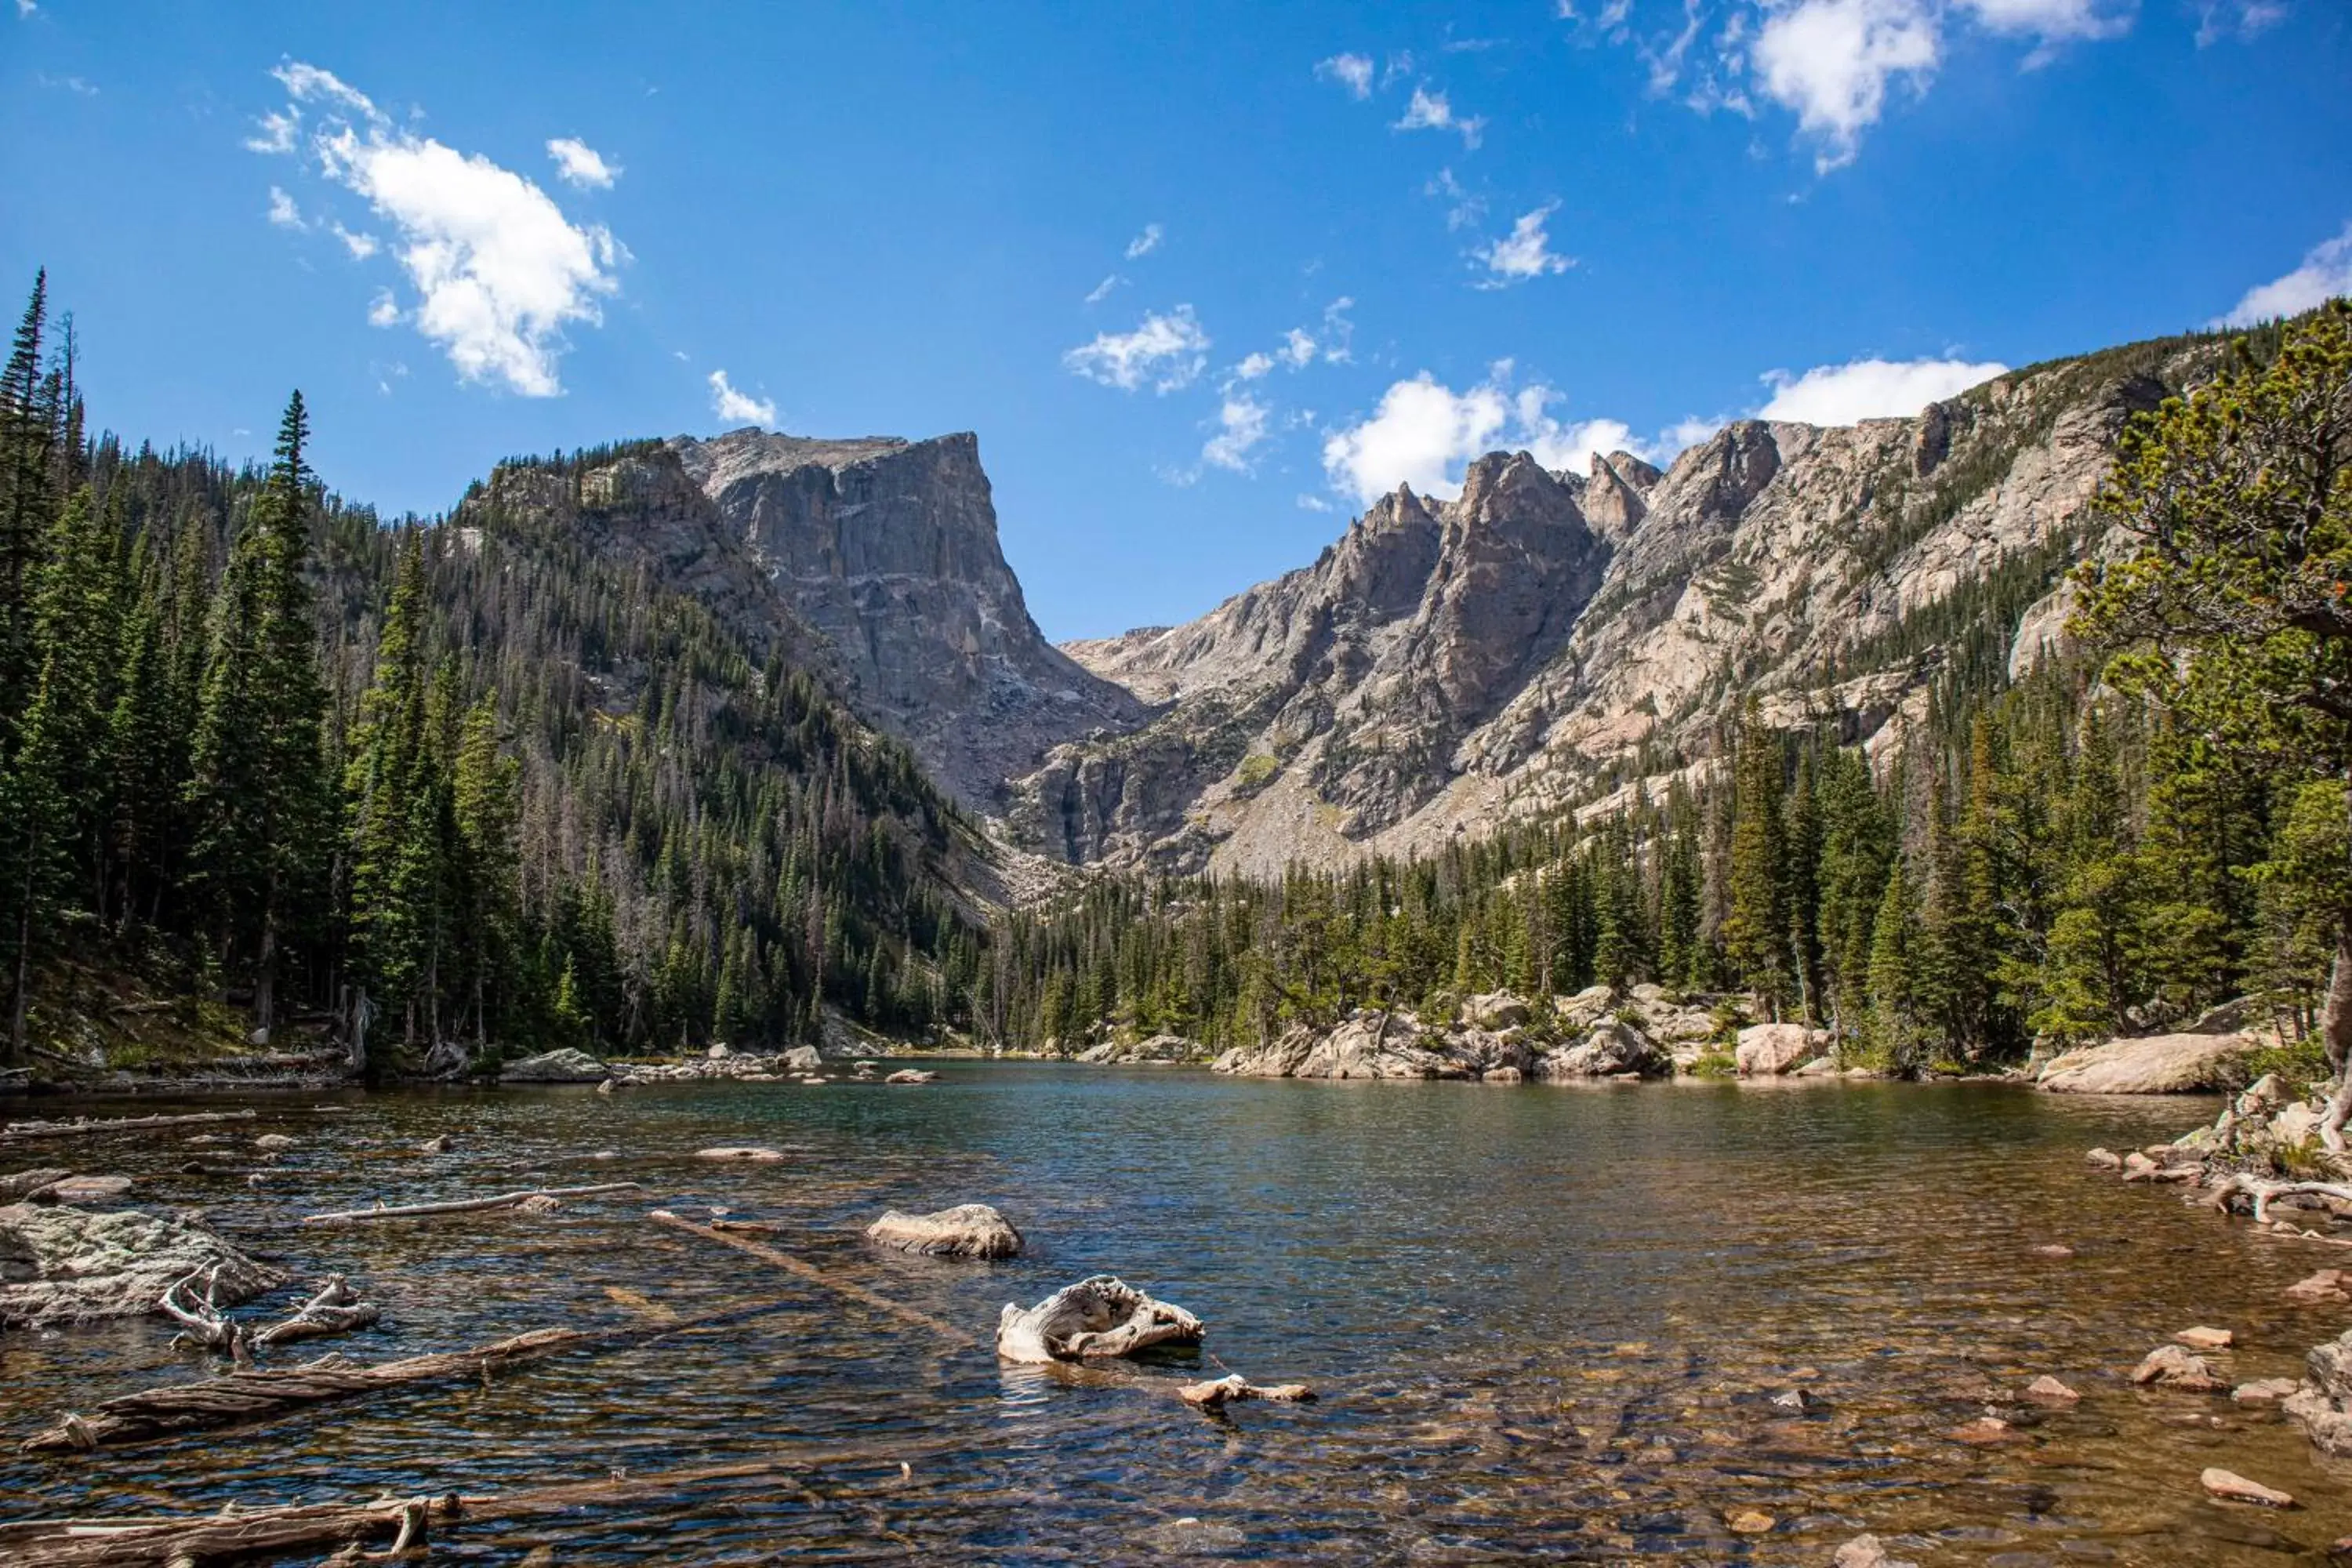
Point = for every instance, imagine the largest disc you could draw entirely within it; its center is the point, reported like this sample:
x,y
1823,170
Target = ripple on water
x,y
1546,1324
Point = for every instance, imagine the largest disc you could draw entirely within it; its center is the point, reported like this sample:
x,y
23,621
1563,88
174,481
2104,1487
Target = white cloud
x,y
1464,209
25,9
1353,72
278,133
1298,349
1830,61
1169,352
283,212
498,271
1101,292
2242,19
2053,20
1241,425
1525,252
739,408
1421,435
2325,272
1144,244
1254,367
384,310
578,163
360,246
1338,332
1313,503
1430,111
72,84
1870,389
1425,432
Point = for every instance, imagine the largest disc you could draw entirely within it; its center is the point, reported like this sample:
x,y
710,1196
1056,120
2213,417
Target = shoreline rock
x,y
63,1263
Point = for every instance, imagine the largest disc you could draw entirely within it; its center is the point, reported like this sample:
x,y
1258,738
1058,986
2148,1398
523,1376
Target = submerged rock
x,y
2234,1487
1097,1317
2170,1366
566,1066
967,1230
911,1075
60,1264
2153,1064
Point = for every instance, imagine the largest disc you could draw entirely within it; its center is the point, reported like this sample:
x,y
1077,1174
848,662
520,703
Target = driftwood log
x,y
1218,1393
335,1310
815,1276
2263,1193
467,1206
1097,1317
83,1126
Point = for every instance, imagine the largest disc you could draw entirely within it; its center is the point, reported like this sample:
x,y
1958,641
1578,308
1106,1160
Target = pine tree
x,y
1756,930
257,792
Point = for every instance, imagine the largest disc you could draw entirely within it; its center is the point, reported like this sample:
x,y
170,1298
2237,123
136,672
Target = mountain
x,y
1547,636
1536,644
874,562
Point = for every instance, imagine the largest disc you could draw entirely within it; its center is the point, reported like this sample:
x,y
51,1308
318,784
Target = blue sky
x,y
1202,277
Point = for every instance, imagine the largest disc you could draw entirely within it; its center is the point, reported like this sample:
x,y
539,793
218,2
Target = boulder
x,y
60,1263
2204,1339
2048,1390
1097,1317
910,1075
1767,1050
803,1058
84,1190
967,1230
2151,1064
1587,1007
1611,1048
566,1066
2263,1390
1495,1010
1163,1048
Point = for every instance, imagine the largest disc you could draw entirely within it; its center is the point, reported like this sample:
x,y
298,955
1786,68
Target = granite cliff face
x,y
1448,665
875,561
1528,646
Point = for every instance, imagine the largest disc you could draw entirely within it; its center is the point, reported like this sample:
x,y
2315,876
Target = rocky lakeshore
x,y
2268,1156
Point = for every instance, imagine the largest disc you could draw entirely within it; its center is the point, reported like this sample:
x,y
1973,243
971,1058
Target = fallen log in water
x,y
815,1276
242,1536
248,1395
251,1395
82,1125
467,1206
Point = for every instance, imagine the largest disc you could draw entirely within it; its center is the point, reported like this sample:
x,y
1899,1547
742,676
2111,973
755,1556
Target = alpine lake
x,y
1546,1324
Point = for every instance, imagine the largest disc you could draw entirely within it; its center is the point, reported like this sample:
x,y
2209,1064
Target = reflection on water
x,y
1547,1323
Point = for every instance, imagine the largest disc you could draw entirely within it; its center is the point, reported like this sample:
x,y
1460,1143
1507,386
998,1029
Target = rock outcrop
x,y
1448,664
565,1065
1613,1049
2151,1064
1768,1051
64,1264
875,561
1373,1044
